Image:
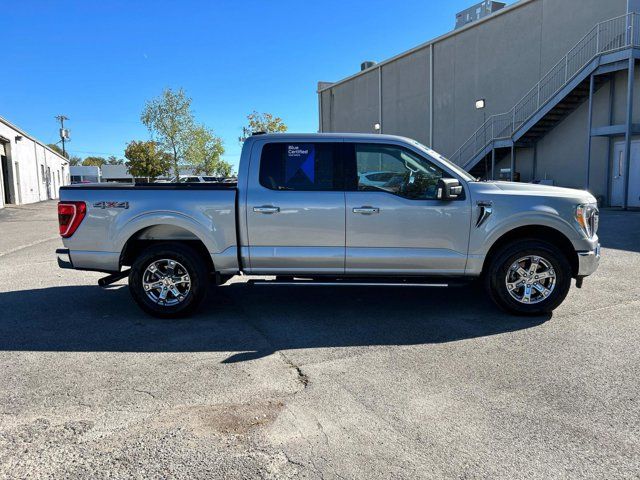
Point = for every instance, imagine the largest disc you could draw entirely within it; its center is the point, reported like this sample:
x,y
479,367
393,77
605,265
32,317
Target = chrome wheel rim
x,y
530,279
166,282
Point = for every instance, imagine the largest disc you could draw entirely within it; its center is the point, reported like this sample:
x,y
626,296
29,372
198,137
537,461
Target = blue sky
x,y
98,61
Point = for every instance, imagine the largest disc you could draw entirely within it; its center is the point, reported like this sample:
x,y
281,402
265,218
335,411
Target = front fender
x,y
483,238
502,222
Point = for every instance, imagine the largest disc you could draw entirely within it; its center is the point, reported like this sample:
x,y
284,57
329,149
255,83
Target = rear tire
x,y
528,277
169,280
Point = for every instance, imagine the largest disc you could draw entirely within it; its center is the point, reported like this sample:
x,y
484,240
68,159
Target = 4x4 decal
x,y
104,205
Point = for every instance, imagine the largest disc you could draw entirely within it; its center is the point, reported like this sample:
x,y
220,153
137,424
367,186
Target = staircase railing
x,y
606,37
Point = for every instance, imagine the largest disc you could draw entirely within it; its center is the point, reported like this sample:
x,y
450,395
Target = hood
x,y
533,189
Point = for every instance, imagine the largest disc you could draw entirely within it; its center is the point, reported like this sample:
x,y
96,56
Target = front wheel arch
x,y
535,232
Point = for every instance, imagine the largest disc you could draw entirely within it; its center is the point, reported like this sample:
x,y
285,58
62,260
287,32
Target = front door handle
x,y
266,209
366,210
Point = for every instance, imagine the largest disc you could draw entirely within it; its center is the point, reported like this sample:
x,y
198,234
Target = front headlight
x,y
588,217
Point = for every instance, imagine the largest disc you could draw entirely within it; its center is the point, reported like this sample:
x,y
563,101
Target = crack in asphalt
x,y
311,447
145,392
301,377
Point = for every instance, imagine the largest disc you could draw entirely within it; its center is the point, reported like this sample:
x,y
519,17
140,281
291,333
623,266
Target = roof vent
x,y
367,64
477,11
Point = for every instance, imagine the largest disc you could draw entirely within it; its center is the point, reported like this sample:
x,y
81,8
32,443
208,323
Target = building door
x,y
49,183
618,177
7,178
18,187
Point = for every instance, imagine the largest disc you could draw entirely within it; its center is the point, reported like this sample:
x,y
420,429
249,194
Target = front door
x,y
618,176
395,224
295,208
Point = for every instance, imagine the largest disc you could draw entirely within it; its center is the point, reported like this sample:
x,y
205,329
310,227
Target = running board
x,y
351,283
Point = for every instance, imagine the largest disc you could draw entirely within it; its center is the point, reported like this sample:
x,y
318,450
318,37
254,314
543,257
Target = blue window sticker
x,y
301,163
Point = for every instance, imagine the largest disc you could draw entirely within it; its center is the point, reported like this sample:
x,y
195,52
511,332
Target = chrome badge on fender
x,y
111,205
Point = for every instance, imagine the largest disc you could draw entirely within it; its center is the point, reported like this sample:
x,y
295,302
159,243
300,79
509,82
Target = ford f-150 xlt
x,y
334,208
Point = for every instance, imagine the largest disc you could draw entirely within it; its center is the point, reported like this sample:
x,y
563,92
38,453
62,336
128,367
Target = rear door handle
x,y
366,210
266,209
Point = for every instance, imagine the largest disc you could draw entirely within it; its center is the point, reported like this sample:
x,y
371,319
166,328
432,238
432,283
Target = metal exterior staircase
x,y
556,95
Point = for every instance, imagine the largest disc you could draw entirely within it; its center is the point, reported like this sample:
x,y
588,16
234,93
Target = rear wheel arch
x,y
535,232
153,235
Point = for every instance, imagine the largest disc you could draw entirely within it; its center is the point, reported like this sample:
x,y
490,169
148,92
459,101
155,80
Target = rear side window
x,y
301,166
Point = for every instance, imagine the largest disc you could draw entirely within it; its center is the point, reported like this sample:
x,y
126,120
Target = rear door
x,y
400,227
296,208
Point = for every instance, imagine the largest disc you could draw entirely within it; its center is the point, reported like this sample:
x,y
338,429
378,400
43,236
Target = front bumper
x,y
64,259
588,262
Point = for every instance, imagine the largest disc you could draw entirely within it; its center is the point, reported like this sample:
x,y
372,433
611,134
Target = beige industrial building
x,y
31,172
539,90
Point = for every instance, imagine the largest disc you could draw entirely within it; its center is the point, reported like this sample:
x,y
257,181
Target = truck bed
x,y
118,213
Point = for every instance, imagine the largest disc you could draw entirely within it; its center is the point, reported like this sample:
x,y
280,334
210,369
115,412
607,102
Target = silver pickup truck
x,y
333,209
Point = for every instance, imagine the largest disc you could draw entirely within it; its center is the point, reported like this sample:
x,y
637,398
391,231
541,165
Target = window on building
x,y
301,166
189,180
396,170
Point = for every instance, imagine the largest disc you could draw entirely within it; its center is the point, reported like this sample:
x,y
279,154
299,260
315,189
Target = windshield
x,y
446,162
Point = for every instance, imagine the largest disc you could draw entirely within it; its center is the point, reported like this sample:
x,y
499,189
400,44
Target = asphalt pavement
x,y
314,382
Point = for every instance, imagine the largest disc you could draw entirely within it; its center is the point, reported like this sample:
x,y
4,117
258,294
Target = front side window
x,y
301,166
396,170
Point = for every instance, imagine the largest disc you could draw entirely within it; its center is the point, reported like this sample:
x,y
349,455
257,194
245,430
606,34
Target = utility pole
x,y
64,133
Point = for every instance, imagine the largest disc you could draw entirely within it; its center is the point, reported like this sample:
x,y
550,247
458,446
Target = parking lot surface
x,y
322,382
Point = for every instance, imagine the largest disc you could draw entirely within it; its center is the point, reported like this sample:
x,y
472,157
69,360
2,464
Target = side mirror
x,y
448,189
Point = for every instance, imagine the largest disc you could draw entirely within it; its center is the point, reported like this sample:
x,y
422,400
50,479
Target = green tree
x,y
262,122
94,162
75,160
204,151
113,160
170,120
58,150
145,159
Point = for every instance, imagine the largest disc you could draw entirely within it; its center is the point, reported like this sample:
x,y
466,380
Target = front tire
x,y
528,277
168,280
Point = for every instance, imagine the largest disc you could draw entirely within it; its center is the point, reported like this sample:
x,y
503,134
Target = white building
x,y
31,171
85,174
116,173
120,173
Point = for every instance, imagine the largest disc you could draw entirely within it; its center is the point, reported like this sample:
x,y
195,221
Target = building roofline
x,y
502,11
30,137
